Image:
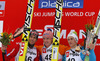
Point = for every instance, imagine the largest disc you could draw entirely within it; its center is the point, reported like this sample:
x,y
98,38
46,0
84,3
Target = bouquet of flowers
x,y
5,38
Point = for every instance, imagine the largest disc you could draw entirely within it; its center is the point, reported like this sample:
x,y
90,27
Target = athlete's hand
x,y
18,32
3,48
91,46
21,28
17,29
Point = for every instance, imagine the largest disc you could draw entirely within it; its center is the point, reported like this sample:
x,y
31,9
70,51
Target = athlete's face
x,y
47,41
72,42
32,39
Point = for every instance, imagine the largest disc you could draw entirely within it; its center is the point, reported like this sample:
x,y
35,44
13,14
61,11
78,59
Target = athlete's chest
x,y
73,56
46,54
31,54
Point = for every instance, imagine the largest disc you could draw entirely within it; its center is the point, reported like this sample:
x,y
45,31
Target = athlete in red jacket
x,y
32,52
2,53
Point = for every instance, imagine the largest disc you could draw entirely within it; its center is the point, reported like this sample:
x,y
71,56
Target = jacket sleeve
x,y
64,58
82,56
1,58
63,49
12,54
92,56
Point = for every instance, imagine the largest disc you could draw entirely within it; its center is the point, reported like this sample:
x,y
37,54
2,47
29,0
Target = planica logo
x,y
66,3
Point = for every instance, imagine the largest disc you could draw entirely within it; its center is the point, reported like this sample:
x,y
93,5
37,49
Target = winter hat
x,y
73,34
48,33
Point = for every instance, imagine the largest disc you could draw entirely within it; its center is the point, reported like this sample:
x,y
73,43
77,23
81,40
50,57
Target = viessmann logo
x,y
66,3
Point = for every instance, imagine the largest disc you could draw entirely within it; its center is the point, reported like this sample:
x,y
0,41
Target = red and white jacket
x,y
1,58
32,54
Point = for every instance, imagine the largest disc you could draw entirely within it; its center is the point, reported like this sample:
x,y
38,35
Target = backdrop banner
x,y
75,15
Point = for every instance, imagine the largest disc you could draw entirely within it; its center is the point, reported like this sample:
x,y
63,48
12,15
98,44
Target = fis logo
x,y
66,3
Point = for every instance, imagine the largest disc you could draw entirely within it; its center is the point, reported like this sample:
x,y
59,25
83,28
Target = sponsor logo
x,y
31,53
44,50
28,17
66,3
74,54
97,44
49,50
63,33
22,49
67,54
57,25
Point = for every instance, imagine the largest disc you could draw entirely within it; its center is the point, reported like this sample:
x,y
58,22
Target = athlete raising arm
x,y
72,54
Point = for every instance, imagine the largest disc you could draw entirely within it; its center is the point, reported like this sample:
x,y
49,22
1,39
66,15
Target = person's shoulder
x,y
39,48
61,45
64,46
67,50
